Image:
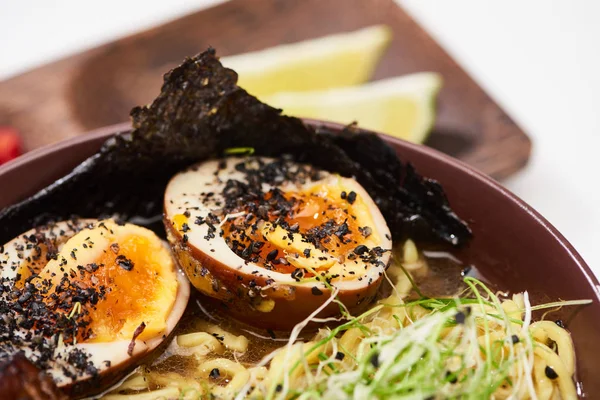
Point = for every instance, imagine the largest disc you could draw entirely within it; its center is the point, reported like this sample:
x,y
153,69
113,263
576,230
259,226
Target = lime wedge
x,y
403,107
344,59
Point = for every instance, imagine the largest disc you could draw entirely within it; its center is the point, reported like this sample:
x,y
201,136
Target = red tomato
x,y
10,144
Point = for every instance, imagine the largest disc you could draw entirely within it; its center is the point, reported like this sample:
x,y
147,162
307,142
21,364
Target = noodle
x,y
476,346
236,373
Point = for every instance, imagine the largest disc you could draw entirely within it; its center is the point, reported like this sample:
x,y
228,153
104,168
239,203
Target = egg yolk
x,y
337,220
134,295
131,275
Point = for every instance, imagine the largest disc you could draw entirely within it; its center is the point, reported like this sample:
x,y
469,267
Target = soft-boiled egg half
x,y
273,239
86,300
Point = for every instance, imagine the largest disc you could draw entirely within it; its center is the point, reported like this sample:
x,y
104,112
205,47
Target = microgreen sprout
x,y
236,151
461,347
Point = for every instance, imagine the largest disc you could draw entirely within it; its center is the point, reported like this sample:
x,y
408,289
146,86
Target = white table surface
x,y
540,59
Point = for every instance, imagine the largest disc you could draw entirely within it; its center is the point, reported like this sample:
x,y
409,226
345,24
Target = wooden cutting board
x,y
100,86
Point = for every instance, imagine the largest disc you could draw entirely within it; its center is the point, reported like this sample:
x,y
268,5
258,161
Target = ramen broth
x,y
439,274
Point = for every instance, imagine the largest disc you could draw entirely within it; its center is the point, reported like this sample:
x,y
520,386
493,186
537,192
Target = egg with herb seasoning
x,y
86,300
273,239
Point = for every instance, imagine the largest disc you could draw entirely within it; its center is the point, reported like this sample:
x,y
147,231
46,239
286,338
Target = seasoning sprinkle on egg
x,y
84,320
278,221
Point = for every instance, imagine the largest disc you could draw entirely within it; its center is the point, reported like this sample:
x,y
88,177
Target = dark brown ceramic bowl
x,y
513,246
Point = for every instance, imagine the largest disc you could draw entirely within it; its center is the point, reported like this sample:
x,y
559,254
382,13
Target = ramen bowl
x,y
513,246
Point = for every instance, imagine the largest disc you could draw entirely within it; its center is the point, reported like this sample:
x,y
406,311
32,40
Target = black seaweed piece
x,y
199,113
420,199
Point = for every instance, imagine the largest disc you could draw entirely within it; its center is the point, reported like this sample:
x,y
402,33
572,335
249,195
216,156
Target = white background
x,y
540,59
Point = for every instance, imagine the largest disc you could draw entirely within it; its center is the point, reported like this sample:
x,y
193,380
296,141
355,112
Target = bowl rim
x,y
560,239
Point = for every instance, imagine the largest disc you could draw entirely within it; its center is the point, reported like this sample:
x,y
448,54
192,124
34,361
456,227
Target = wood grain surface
x,y
99,87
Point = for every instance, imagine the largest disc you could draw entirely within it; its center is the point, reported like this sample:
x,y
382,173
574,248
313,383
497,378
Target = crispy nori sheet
x,y
199,113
